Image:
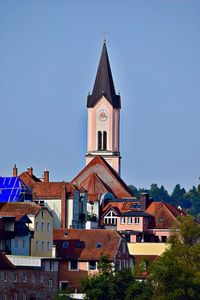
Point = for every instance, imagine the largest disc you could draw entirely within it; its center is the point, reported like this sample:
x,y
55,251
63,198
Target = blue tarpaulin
x,y
12,189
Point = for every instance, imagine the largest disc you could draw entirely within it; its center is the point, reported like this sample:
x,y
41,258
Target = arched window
x,y
99,140
104,140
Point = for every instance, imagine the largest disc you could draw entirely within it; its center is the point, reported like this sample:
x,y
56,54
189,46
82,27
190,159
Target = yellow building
x,y
147,249
42,225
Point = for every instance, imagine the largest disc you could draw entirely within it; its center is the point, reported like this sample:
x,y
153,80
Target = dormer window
x,y
98,245
79,244
65,245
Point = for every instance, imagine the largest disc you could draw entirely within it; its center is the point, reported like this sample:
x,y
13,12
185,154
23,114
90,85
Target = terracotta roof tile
x,y
52,189
19,208
165,214
106,174
94,186
108,241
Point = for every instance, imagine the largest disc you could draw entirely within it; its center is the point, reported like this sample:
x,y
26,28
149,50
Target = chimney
x,y
46,176
15,171
30,171
144,201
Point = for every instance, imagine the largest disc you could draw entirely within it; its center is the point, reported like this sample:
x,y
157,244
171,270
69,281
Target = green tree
x,y
177,195
176,274
110,284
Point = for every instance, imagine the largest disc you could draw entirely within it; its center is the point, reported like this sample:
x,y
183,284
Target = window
x,y
137,220
24,296
5,296
160,220
64,285
32,278
50,283
41,279
98,245
123,264
119,265
65,244
79,244
130,220
104,140
16,243
15,277
110,218
5,277
42,245
24,277
127,263
73,265
42,213
36,226
48,227
48,246
92,265
24,243
99,140
123,247
15,296
122,220
42,226
37,245
163,239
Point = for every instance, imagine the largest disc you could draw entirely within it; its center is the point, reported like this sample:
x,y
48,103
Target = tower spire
x,y
104,85
104,38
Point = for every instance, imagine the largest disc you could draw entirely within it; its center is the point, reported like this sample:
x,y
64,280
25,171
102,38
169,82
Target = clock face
x,y
102,115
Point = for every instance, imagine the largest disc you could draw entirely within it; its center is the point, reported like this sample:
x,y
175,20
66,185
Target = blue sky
x,y
49,52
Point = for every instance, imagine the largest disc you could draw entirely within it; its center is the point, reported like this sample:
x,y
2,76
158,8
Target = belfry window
x,y
104,140
99,140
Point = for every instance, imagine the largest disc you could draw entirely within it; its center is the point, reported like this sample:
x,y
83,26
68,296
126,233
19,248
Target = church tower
x,y
104,116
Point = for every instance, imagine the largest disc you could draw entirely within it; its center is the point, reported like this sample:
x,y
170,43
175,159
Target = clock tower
x,y
104,116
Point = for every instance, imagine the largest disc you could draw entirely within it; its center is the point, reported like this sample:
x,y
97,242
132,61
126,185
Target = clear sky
x,y
49,53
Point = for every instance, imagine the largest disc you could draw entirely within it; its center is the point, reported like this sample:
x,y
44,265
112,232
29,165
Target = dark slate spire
x,y
104,84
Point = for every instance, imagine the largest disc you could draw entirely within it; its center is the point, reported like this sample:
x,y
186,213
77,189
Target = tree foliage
x,y
176,274
173,276
187,200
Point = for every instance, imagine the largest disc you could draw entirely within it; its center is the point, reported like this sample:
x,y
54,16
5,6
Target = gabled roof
x,y
52,190
95,243
18,217
19,208
107,177
28,179
49,190
165,214
104,85
94,186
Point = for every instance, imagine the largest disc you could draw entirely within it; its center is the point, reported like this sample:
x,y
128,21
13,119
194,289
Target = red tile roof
x,y
109,240
94,186
165,214
52,190
105,176
19,208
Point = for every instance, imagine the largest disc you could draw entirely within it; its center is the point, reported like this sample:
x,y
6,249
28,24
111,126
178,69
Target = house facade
x,y
40,225
66,201
28,278
81,250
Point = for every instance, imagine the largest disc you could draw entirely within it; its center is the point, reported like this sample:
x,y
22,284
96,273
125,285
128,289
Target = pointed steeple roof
x,y
104,84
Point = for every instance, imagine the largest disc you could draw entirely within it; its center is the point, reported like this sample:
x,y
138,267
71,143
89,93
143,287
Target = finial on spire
x,y
104,37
